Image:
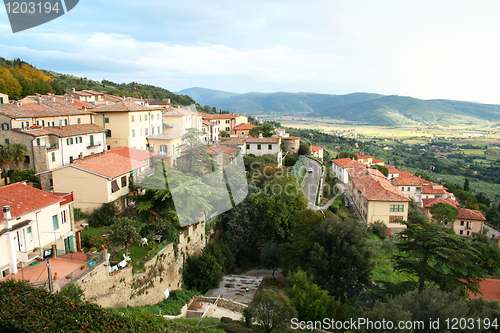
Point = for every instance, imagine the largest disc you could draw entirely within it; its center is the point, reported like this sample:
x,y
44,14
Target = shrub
x,y
378,228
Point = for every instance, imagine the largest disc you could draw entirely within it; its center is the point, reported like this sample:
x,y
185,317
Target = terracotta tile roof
x,y
362,157
219,149
470,214
164,137
374,186
242,127
219,116
403,174
432,201
236,141
409,181
427,189
347,163
64,131
122,107
136,154
67,197
314,149
24,199
489,289
377,161
392,169
206,123
37,110
262,140
108,165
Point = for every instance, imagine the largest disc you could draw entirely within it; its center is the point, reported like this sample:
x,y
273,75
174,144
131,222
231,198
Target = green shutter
x,y
91,140
55,224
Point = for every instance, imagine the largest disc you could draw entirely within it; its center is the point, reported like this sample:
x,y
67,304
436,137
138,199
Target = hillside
x,y
372,109
19,79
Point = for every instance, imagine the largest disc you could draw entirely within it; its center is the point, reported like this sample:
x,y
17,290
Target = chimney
x,y
19,104
260,135
6,212
73,90
123,98
146,102
72,99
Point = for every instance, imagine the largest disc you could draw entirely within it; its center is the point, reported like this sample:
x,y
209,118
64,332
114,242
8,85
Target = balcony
x,y
96,144
52,146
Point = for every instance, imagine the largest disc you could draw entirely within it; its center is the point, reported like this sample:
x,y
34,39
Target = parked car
x,y
310,170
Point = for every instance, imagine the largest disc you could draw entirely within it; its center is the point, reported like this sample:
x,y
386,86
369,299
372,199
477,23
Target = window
x,y
79,120
5,126
146,118
145,131
270,147
461,232
158,130
462,223
63,217
164,148
80,139
65,122
248,146
108,133
5,272
53,155
71,140
152,130
71,159
258,147
227,129
140,118
132,118
392,219
106,120
114,186
55,223
157,116
408,189
27,159
397,208
67,142
91,140
7,141
227,121
133,133
468,233
29,236
43,123
124,181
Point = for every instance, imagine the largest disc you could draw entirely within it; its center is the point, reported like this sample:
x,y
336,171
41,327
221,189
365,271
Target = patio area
x,y
63,266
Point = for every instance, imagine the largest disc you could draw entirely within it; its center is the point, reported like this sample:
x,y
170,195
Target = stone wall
x,y
161,272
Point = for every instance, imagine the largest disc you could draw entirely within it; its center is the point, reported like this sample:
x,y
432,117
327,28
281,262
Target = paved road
x,y
491,231
311,182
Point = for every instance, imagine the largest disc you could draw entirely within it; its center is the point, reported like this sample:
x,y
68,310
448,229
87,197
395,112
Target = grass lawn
x,y
92,231
139,255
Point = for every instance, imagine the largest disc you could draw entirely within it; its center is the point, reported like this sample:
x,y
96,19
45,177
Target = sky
x,y
423,49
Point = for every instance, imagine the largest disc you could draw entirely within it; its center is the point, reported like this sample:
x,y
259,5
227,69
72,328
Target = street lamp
x,y
246,289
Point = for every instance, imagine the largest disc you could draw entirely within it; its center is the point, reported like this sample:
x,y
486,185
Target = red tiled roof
x,y
346,163
377,161
219,116
219,149
432,201
236,141
262,140
14,111
314,149
403,174
489,289
244,127
362,157
108,165
374,186
122,107
427,189
409,181
24,199
392,169
64,131
470,214
136,154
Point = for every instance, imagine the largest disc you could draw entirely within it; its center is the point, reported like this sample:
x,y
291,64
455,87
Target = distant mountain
x,y
371,109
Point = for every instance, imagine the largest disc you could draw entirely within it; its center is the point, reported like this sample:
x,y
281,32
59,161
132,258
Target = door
x,y
68,244
21,241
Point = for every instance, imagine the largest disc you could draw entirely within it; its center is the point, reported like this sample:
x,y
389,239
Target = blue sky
x,y
423,49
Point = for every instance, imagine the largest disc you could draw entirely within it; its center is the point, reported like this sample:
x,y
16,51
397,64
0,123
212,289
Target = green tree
x,y
29,175
103,216
378,228
382,169
312,302
443,212
202,273
303,149
223,134
6,157
18,153
271,309
281,199
270,257
341,260
124,231
466,185
346,154
436,254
